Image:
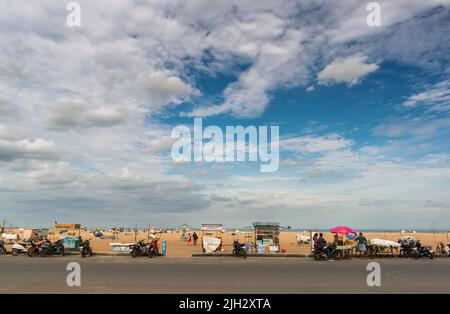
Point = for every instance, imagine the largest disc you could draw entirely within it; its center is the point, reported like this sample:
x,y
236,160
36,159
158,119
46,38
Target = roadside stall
x,y
267,237
211,236
346,247
72,237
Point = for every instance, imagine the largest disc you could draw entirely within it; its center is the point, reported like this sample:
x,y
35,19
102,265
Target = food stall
x,y
267,237
72,237
211,237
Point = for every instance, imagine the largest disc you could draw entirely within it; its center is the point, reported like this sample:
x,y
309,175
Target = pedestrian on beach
x,y
195,237
189,239
362,244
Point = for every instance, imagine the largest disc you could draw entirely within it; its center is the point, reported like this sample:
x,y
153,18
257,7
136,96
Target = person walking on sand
x,y
189,239
195,238
362,244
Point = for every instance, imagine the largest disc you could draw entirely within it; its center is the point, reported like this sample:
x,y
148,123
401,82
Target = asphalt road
x,y
23,274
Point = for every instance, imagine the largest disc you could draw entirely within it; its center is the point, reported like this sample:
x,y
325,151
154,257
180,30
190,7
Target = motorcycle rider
x,y
314,239
321,243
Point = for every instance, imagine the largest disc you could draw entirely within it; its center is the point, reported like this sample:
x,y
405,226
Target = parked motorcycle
x,y
139,249
48,248
332,252
2,247
239,249
407,249
423,251
85,248
33,248
153,248
328,252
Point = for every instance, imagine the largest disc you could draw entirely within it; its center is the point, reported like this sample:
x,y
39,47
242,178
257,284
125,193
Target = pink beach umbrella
x,y
342,230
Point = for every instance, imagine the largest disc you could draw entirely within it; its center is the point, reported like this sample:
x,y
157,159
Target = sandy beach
x,y
288,242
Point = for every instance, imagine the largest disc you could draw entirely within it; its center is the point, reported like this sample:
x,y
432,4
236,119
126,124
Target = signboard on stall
x,y
212,227
67,226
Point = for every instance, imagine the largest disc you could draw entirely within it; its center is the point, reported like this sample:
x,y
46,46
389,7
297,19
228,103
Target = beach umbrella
x,y
344,230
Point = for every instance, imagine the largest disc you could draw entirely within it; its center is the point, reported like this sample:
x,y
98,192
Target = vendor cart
x,y
267,237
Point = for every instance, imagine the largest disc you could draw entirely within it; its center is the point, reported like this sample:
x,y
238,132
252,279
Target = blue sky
x,y
86,112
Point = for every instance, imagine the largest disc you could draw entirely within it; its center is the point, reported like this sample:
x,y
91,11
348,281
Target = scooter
x,y
17,249
2,247
85,248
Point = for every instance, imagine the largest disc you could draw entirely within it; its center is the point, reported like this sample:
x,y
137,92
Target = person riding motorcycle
x,y
320,248
239,249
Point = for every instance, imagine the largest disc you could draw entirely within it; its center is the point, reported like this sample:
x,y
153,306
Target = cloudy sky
x,y
86,112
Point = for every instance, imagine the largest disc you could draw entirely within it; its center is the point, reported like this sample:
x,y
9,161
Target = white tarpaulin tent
x,y
9,236
211,244
302,238
382,242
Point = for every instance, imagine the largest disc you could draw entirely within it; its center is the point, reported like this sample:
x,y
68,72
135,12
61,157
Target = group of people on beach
x,y
192,239
319,242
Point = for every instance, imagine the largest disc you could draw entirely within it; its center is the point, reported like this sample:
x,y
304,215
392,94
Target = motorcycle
x,y
48,248
153,248
447,249
85,248
332,252
33,248
139,249
2,247
320,254
407,249
423,251
239,249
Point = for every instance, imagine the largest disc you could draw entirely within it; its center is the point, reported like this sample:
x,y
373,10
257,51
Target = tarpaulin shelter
x,y
211,237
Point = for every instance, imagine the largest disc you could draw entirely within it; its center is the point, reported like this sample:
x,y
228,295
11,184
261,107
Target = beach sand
x,y
288,241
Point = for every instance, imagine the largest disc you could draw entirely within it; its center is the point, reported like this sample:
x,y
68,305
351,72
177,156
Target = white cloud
x,y
348,70
436,98
73,115
314,144
14,145
163,89
421,127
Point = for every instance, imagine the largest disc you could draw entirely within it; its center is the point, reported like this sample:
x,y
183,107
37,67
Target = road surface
x,y
103,274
